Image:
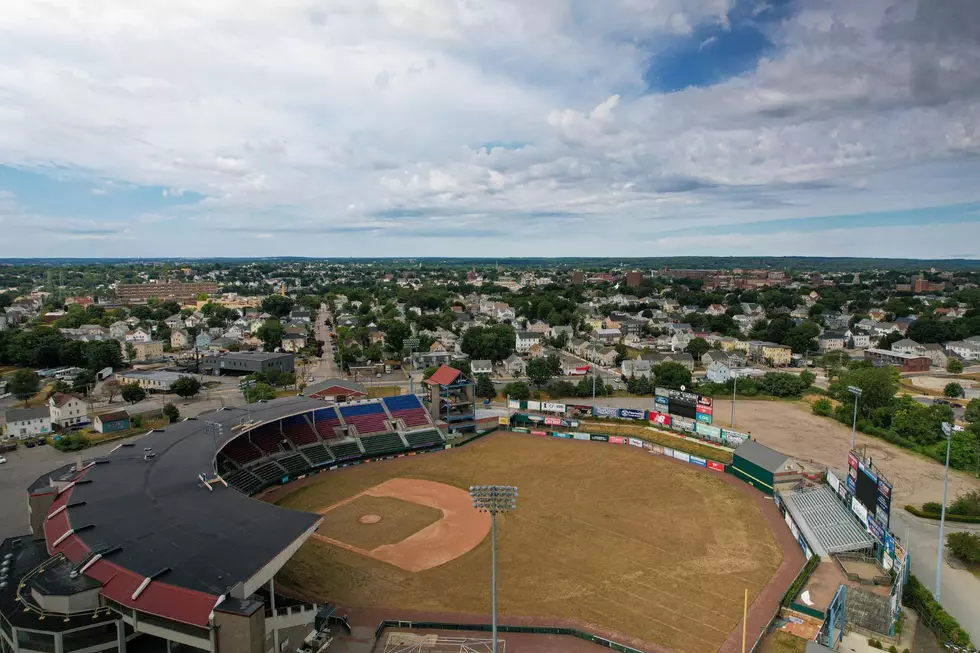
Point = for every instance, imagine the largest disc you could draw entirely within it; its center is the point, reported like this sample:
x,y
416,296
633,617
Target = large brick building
x,y
140,293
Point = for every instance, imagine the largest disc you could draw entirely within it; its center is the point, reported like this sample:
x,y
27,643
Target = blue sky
x,y
493,127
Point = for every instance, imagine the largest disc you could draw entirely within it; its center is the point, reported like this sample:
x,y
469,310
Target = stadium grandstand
x,y
159,545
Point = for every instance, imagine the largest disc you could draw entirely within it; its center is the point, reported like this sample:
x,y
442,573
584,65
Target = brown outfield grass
x,y
608,537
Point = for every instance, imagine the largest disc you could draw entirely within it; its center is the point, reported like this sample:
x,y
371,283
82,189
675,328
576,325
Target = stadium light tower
x,y
494,499
856,391
948,432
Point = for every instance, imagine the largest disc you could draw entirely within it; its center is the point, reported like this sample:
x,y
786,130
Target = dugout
x,y
763,468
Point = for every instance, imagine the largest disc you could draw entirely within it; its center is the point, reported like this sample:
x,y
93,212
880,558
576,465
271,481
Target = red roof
x,y
443,376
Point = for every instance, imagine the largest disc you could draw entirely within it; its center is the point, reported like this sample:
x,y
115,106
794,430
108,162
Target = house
x,y
937,354
830,341
631,327
905,362
147,350
202,341
608,335
515,365
152,380
968,350
175,321
503,312
376,338
745,322
437,346
117,330
67,410
605,356
877,314
637,368
683,358
300,314
565,330
884,328
222,343
680,340
431,358
138,335
194,320
525,340
539,326
481,367
718,373
776,355
536,350
22,423
235,332
857,340
335,391
908,346
715,310
293,342
117,420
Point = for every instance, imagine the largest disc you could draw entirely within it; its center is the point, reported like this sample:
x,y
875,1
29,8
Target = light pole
x,y
734,390
856,391
494,499
593,390
215,429
948,432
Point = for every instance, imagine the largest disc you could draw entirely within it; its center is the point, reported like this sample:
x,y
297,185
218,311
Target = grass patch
x,y
659,437
378,391
783,642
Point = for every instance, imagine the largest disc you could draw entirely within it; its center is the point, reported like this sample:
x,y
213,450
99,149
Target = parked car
x,y
2,460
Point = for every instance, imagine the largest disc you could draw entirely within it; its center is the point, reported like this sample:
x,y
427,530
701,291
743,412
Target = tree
x,y
277,305
462,366
133,393
878,387
967,504
59,386
782,384
807,378
261,392
697,348
517,390
185,387
972,413
672,375
954,366
822,407
493,343
110,389
538,371
271,333
130,351
953,390
171,413
484,386
801,339
24,384
887,340
103,353
965,546
84,381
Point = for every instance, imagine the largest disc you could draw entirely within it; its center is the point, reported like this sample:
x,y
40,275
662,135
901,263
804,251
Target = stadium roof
x,y
761,455
153,518
444,375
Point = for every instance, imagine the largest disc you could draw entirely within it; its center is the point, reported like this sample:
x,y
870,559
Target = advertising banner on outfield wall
x,y
858,509
518,429
661,392
581,436
599,438
539,433
705,403
661,401
718,467
706,419
699,461
567,436
606,411
534,405
733,438
636,442
708,431
631,413
704,410
514,404
833,481
552,421
503,421
682,423
660,419
550,407
668,452
680,455
617,439
657,449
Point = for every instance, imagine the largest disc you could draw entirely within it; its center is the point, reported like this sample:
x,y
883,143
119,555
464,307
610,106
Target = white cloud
x,y
322,114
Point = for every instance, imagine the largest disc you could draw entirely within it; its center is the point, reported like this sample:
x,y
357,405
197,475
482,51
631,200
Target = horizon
x,y
740,127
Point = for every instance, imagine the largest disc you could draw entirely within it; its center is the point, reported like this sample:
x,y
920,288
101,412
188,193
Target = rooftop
x,y
761,455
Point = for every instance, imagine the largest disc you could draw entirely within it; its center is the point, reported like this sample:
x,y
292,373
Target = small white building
x,y
718,373
525,340
23,423
67,410
481,367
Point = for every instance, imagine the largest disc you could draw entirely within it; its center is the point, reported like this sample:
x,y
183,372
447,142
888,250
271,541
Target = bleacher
x,y
318,454
366,418
409,409
325,419
384,443
268,472
298,430
346,450
423,438
242,451
295,464
266,437
244,481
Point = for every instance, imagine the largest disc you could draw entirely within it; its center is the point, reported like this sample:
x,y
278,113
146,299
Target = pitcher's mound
x,y
369,519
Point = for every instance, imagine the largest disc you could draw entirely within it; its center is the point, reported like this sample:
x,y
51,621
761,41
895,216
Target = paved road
x,y
960,588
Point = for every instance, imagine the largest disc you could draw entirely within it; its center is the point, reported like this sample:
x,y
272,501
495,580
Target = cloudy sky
x,y
490,127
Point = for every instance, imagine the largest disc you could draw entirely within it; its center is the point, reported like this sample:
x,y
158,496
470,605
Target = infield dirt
x,y
605,535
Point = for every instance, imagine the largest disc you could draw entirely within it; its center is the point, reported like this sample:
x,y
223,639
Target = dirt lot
x,y
605,535
790,427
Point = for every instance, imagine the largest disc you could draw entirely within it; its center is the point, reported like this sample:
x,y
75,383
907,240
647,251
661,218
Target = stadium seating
x,y
266,438
346,450
318,454
295,464
409,409
325,419
244,481
269,472
366,418
384,443
423,438
242,451
298,430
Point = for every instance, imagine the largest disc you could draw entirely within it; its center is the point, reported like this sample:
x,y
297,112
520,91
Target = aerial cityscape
x,y
486,326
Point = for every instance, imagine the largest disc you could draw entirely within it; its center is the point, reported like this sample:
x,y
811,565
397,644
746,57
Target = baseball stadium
x,y
293,524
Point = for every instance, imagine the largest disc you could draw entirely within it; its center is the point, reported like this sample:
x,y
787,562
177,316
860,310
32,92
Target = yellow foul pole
x,y
745,618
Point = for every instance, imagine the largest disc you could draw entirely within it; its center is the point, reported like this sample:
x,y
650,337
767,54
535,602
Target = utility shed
x,y
762,467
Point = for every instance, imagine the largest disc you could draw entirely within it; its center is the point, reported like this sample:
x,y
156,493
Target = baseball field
x,y
606,536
